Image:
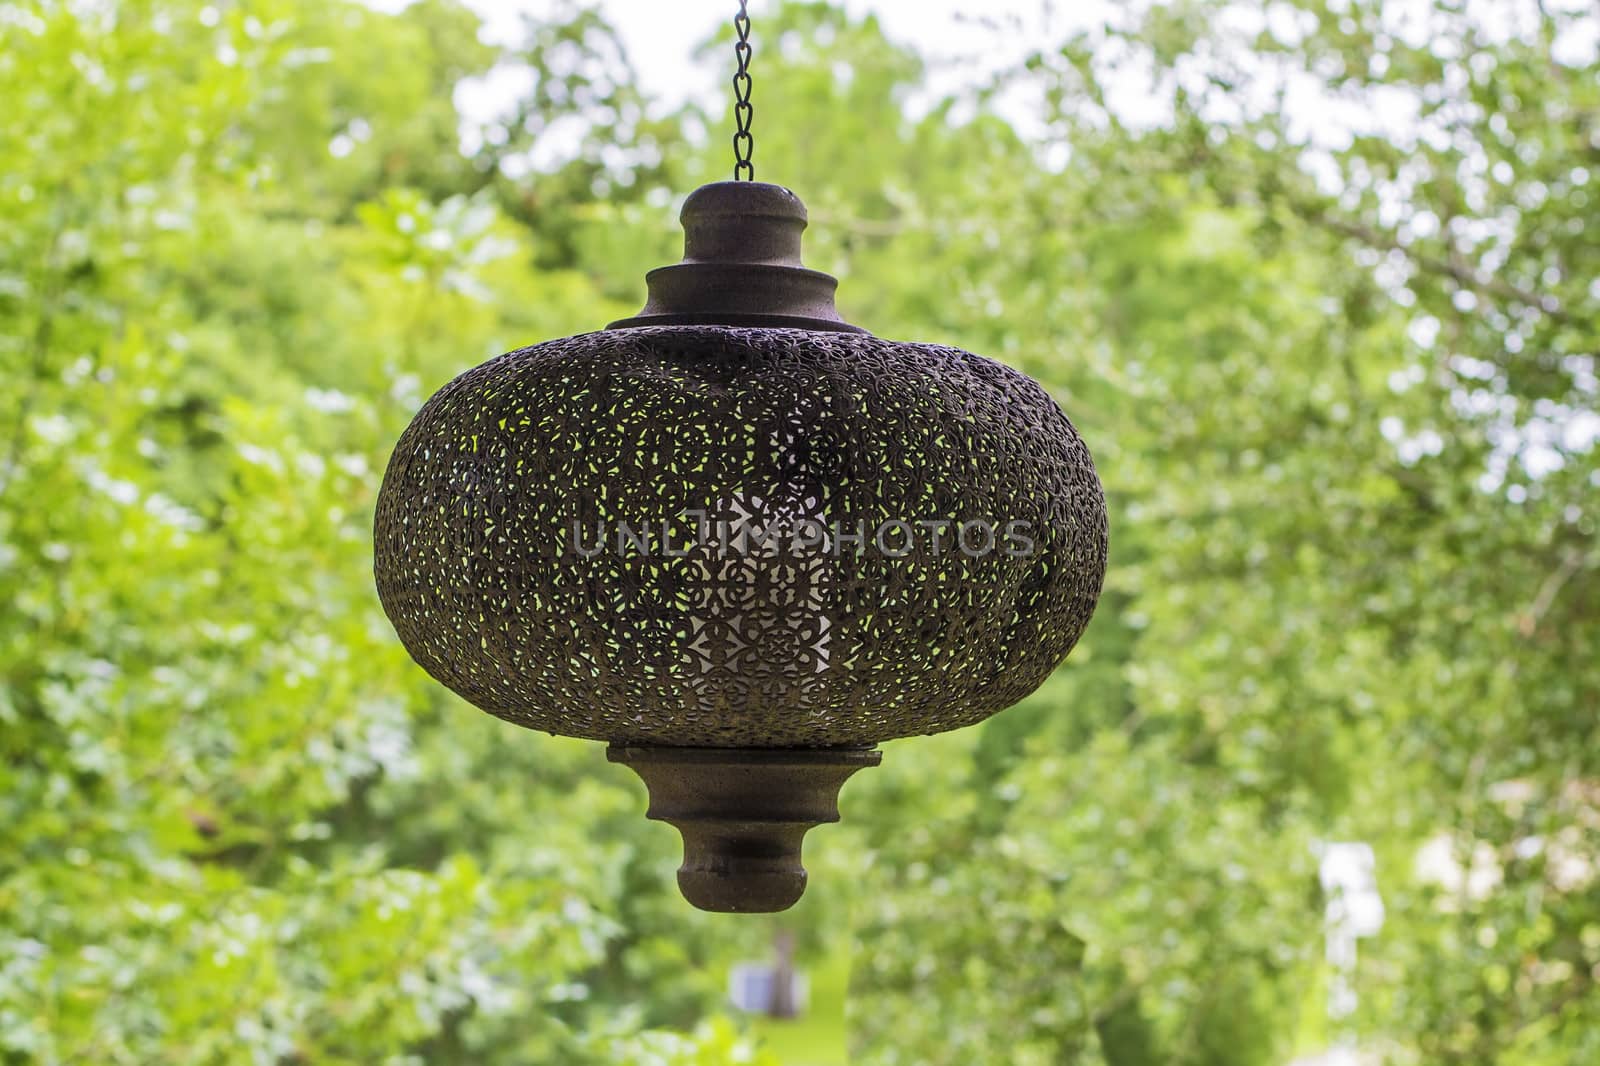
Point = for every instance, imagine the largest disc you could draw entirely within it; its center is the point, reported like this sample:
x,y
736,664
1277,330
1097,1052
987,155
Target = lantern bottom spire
x,y
742,813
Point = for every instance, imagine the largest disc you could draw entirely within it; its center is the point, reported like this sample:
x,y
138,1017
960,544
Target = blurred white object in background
x,y
753,987
1354,909
774,988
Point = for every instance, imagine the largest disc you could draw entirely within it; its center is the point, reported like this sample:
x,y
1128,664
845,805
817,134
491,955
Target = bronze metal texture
x,y
606,536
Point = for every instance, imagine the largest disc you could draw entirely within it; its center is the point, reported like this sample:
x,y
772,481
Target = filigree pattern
x,y
718,536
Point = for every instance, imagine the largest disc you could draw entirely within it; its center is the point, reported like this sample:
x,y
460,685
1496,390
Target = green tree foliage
x,y
1327,319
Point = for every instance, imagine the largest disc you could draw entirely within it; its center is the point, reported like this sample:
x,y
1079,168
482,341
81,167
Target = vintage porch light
x,y
741,540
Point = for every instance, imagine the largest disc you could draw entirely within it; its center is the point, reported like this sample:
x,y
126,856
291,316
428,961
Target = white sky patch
x,y
965,43
661,36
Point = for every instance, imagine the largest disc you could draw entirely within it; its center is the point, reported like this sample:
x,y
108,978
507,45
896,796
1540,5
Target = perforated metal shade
x,y
736,523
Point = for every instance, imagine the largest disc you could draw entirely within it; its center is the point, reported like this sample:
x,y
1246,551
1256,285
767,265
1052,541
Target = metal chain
x,y
743,143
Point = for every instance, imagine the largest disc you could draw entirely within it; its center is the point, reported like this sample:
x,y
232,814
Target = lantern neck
x,y
741,266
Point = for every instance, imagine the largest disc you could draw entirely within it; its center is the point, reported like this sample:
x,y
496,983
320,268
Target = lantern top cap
x,y
741,266
743,197
742,222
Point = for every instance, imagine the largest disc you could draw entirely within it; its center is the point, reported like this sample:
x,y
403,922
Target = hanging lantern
x,y
741,540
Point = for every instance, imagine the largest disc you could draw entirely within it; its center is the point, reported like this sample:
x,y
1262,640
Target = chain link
x,y
743,143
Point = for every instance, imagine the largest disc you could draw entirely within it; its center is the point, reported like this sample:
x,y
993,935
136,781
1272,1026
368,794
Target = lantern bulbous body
x,y
730,537
738,525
